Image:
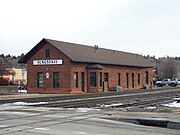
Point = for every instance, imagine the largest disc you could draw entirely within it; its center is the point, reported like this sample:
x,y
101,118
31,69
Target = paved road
x,y
22,120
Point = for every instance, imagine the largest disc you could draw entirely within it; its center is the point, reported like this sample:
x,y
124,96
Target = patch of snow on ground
x,y
112,105
86,109
173,104
25,103
79,132
176,98
2,126
22,91
152,107
13,113
45,129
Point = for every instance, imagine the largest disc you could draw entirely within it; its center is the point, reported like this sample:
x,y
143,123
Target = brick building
x,y
62,67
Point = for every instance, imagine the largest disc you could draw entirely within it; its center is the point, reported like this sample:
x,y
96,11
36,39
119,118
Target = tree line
x,y
11,56
167,67
164,67
8,61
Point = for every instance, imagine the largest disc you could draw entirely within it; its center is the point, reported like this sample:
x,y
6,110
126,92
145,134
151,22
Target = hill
x,y
8,61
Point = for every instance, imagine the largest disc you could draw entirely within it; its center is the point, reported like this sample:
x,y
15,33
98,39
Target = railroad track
x,y
48,122
79,96
145,103
96,100
144,99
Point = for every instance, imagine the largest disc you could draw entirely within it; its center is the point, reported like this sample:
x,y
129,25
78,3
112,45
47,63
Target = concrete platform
x,y
164,120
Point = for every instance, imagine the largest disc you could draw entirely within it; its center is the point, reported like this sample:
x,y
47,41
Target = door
x,y
106,82
82,81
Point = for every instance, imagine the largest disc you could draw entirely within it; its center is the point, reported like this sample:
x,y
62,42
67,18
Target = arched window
x,y
147,77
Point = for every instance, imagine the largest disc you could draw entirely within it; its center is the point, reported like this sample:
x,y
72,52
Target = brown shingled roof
x,y
91,54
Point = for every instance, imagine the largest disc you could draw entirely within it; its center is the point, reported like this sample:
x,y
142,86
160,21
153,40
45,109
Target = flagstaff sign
x,y
47,62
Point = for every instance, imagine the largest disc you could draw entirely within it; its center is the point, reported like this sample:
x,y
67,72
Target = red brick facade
x,y
66,74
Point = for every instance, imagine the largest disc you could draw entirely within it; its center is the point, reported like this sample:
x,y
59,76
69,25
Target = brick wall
x,y
64,71
113,76
67,69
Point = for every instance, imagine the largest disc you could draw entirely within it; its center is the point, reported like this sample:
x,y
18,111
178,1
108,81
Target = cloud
x,y
150,27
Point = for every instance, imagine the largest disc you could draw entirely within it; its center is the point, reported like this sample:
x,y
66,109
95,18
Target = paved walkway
x,y
172,120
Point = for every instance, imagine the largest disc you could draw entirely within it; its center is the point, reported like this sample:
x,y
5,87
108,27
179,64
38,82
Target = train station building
x,y
62,67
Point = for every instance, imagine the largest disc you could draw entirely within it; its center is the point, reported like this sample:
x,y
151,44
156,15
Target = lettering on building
x,y
47,62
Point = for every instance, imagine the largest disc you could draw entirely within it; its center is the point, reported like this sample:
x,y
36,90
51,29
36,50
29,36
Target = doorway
x,y
146,77
106,82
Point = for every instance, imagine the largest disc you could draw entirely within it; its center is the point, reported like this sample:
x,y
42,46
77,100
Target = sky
x,y
146,27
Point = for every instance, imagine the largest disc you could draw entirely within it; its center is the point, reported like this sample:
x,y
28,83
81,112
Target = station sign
x,y
47,62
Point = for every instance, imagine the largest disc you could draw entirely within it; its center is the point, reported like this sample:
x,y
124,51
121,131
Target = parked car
x,y
164,82
178,82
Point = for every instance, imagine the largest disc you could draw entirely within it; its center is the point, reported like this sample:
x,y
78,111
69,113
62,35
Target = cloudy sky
x,y
138,26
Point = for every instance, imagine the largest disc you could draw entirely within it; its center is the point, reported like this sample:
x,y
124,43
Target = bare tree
x,y
168,68
3,67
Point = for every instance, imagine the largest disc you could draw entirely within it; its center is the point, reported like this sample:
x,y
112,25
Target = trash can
x,y
146,87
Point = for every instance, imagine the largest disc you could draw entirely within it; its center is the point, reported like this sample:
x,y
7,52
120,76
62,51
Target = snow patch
x,y
112,105
173,104
13,113
152,107
44,129
176,98
3,126
86,109
25,103
79,132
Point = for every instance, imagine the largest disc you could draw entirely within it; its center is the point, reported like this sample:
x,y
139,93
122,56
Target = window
x,y
146,77
40,79
76,79
127,80
106,77
100,79
92,79
119,79
132,77
56,79
139,78
82,81
47,53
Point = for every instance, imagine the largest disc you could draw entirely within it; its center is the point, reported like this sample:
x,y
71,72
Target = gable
x,y
36,50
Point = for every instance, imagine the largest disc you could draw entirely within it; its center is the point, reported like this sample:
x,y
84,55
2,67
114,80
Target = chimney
x,y
114,52
96,47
